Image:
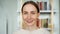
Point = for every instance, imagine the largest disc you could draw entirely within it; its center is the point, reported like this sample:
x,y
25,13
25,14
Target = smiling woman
x,y
30,14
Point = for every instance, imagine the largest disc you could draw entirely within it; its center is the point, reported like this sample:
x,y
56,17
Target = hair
x,y
30,2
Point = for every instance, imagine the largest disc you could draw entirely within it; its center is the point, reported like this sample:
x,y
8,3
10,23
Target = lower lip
x,y
30,21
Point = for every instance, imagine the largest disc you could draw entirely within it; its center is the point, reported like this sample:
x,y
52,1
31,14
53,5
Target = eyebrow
x,y
26,11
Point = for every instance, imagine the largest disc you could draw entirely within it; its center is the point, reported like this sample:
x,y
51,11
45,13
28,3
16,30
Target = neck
x,y
31,28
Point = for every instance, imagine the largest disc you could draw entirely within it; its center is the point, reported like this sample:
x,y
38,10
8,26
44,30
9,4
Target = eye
x,y
25,12
32,12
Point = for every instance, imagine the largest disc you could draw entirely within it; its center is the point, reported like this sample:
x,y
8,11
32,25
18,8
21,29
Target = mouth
x,y
29,21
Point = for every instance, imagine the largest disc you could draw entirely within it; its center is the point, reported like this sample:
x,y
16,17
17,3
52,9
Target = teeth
x,y
29,21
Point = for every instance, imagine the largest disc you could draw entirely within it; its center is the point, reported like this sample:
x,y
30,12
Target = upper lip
x,y
29,21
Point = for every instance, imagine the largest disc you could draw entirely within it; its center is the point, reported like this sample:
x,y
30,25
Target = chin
x,y
29,24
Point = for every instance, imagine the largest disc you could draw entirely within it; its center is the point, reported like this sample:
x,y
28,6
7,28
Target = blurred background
x,y
9,16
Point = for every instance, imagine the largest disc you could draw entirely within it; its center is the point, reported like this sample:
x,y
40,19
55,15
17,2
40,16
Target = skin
x,y
30,16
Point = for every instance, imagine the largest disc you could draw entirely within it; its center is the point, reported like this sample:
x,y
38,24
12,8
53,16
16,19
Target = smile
x,y
30,21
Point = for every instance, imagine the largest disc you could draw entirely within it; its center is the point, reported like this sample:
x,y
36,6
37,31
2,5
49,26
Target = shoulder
x,y
42,31
20,31
17,31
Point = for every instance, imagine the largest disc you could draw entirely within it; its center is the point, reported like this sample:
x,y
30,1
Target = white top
x,y
38,31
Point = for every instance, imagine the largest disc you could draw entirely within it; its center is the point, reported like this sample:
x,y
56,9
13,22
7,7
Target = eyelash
x,y
33,13
27,13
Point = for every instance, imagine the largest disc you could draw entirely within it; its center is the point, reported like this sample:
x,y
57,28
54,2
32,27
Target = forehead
x,y
29,7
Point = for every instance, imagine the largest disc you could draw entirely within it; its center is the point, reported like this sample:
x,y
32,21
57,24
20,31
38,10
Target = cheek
x,y
34,17
24,17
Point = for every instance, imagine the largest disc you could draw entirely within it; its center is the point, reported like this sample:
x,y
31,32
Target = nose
x,y
29,16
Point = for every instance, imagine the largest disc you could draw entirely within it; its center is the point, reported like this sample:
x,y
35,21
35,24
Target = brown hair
x,y
31,2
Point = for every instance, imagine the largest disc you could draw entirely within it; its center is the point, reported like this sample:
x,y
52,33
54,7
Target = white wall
x,y
8,12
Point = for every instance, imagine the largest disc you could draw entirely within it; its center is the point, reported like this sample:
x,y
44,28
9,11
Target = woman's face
x,y
30,14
